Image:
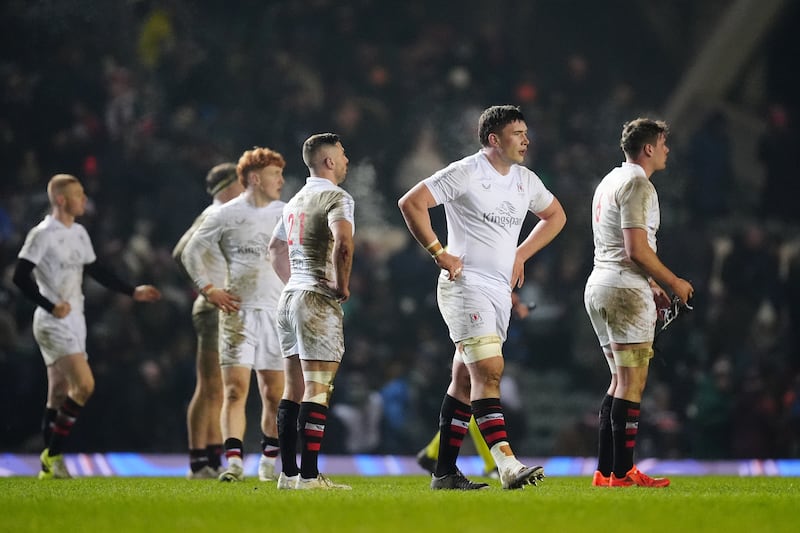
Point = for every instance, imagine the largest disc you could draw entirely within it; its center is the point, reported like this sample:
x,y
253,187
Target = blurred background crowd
x,y
140,98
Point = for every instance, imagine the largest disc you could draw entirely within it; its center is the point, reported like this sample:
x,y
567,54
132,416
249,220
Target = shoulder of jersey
x,y
231,204
469,163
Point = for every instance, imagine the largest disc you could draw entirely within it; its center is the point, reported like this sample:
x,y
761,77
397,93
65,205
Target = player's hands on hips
x,y
61,309
223,300
146,293
342,295
683,290
451,263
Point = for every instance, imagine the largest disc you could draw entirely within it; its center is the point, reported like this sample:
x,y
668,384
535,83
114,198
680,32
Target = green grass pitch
x,y
398,503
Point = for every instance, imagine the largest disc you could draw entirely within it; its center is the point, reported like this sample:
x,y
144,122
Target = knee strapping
x,y
483,347
635,357
324,378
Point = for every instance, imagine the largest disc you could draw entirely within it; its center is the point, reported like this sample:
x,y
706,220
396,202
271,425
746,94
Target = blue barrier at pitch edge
x,y
176,465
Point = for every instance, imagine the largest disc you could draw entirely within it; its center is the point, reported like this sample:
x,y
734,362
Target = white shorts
x,y
310,325
472,311
623,316
249,338
58,337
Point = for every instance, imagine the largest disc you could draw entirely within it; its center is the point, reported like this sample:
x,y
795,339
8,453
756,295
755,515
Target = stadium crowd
x,y
140,102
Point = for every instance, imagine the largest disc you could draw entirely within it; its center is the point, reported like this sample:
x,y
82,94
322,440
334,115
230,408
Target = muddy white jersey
x,y
485,211
216,268
305,227
624,199
215,265
238,232
59,253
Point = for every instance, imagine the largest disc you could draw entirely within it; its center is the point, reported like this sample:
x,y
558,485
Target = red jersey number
x,y
301,226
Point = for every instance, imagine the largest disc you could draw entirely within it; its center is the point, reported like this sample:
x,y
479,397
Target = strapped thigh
x,y
636,357
483,347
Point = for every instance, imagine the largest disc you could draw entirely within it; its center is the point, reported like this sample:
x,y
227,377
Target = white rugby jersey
x,y
305,227
59,253
238,232
216,267
485,211
625,198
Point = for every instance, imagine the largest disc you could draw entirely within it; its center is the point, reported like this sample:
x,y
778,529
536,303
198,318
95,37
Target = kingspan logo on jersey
x,y
256,246
504,215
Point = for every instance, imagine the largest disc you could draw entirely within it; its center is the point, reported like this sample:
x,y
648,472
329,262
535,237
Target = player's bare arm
x,y
342,257
415,206
639,251
279,257
551,221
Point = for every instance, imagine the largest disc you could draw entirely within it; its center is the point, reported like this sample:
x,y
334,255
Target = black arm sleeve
x,y
107,278
24,280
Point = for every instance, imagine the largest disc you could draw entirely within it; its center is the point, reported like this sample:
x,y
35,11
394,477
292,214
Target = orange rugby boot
x,y
638,479
599,480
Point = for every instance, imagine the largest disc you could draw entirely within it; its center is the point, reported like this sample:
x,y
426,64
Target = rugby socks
x,y
624,427
287,436
233,449
62,426
605,444
48,421
453,423
269,448
491,421
311,422
198,459
214,453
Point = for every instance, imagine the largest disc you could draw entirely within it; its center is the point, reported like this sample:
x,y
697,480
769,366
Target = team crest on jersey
x,y
475,318
520,188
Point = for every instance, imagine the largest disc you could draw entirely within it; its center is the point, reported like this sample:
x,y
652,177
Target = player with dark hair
x,y
486,197
238,232
623,293
202,416
312,251
57,252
